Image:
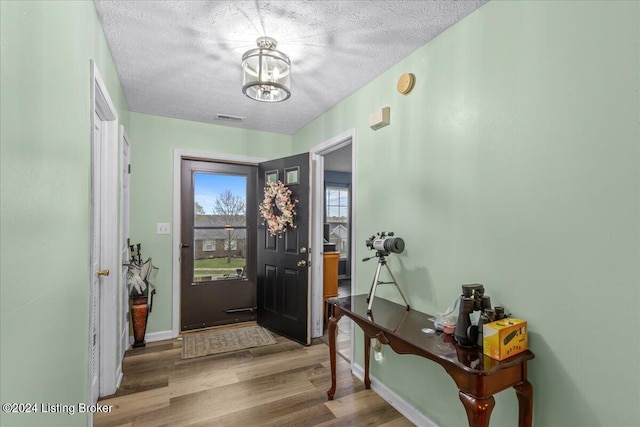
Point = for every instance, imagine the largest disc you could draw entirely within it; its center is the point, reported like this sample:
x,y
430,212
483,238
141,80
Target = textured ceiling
x,y
182,58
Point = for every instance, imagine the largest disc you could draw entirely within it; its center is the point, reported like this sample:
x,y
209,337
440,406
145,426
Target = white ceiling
x,y
182,58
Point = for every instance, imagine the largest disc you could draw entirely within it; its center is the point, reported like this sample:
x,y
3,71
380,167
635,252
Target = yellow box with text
x,y
504,338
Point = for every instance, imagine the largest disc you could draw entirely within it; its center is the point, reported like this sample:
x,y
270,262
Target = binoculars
x,y
474,299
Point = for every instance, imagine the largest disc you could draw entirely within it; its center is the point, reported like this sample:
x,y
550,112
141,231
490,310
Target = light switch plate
x,y
163,228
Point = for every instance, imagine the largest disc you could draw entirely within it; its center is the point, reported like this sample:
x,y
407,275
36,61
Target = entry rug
x,y
197,344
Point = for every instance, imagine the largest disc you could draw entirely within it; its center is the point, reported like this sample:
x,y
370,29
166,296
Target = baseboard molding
x,y
154,336
119,376
405,408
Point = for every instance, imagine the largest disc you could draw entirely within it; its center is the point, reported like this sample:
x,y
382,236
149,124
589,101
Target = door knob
x,y
302,263
103,272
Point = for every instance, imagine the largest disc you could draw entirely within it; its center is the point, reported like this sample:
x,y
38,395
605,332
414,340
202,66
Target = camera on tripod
x,y
384,244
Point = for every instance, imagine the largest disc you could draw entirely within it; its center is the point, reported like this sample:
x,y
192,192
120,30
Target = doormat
x,y
216,341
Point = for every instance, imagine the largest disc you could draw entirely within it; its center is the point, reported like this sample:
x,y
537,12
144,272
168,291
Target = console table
x,y
477,376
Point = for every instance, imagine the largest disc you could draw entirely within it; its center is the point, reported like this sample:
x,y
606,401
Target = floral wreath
x,y
275,193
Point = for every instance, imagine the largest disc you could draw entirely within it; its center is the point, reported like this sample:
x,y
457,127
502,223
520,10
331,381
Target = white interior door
x,y
104,290
125,170
96,258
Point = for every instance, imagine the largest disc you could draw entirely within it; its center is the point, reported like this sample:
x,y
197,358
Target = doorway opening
x,y
338,223
334,210
282,302
316,303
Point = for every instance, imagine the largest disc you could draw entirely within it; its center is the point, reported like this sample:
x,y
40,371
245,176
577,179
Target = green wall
x,y
45,161
153,140
515,163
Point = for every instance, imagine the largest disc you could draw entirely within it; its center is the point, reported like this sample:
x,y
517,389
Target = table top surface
x,y
408,325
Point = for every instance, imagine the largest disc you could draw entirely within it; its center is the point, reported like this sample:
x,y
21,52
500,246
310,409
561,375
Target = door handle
x,y
302,263
184,245
103,272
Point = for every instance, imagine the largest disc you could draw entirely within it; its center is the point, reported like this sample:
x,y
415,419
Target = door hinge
x,y
129,168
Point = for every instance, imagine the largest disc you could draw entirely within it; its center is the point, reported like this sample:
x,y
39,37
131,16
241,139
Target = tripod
x,y
382,261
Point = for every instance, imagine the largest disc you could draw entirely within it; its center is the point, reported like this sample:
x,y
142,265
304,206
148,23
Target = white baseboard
x,y
154,336
406,409
119,376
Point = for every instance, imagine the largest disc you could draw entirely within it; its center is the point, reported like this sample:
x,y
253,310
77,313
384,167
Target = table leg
x,y
367,359
524,391
478,410
333,323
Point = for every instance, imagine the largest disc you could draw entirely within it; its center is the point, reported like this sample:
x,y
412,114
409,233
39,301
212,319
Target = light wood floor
x,y
284,384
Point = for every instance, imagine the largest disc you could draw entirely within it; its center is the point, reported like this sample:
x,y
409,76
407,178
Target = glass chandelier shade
x,y
267,72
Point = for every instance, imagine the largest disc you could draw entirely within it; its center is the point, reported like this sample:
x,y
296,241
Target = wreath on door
x,y
277,197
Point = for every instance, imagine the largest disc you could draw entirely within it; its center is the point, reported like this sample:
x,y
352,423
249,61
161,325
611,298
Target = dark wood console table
x,y
477,376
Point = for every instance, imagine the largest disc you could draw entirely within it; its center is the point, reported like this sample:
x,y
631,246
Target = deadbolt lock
x,y
303,250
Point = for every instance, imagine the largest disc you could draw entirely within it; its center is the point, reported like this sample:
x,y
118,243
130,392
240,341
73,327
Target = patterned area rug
x,y
216,341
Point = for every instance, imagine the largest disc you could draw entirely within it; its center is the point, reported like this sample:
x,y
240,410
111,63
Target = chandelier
x,y
267,72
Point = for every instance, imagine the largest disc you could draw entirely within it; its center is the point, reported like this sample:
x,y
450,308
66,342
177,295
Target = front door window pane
x,y
220,227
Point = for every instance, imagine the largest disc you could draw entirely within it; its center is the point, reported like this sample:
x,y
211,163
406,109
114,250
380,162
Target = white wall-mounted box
x,y
380,118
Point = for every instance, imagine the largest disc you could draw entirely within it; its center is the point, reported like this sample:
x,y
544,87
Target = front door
x,y
283,278
218,232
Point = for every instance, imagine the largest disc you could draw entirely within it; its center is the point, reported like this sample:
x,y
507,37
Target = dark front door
x,y
218,241
283,278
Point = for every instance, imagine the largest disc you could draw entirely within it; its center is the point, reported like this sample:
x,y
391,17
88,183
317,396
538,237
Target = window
x,y
337,216
220,224
231,245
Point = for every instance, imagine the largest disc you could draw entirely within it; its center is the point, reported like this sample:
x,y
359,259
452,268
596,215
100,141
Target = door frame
x,y
178,156
102,106
317,215
317,235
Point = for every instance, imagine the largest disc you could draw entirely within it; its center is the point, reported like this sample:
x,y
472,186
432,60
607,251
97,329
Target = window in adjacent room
x,y
337,216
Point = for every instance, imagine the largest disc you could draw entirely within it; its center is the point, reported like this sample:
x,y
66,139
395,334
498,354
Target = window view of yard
x,y
220,227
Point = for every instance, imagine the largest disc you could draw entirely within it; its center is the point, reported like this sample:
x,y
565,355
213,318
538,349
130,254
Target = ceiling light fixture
x,y
267,72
